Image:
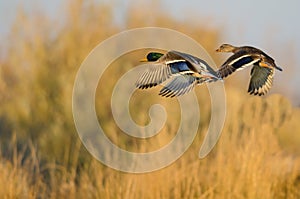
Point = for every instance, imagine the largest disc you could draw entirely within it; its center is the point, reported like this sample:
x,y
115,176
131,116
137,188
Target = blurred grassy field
x,y
257,156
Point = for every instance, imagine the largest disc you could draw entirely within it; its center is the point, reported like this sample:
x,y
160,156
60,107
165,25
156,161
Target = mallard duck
x,y
262,72
183,71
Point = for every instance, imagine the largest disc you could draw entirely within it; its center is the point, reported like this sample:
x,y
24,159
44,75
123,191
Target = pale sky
x,y
272,25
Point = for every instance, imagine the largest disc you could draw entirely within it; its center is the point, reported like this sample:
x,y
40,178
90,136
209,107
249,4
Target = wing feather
x,y
155,74
261,80
179,85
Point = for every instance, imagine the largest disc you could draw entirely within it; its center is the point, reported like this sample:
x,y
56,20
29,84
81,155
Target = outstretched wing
x,y
155,74
179,85
161,70
261,80
236,62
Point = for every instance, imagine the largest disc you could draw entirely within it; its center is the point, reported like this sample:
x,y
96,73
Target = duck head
x,y
152,56
226,48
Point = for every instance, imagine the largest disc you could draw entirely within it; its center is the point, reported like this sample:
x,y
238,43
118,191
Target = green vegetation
x,y
257,155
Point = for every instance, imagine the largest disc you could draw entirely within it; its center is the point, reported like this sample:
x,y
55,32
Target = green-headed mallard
x,y
183,71
262,72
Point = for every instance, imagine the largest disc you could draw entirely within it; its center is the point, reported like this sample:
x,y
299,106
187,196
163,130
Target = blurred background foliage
x,y
42,156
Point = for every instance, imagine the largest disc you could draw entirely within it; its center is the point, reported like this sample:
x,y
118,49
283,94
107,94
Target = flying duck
x,y
263,67
180,71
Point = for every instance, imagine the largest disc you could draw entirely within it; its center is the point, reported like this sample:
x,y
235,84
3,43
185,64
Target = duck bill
x,y
144,60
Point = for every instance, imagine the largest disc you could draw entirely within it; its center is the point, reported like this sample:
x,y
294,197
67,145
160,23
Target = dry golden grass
x,y
257,155
20,176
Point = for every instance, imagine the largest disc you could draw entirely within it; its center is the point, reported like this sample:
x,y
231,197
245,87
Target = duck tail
x,y
278,68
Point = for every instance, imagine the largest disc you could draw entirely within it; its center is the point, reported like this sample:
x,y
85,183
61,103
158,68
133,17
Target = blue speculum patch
x,y
179,67
242,62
